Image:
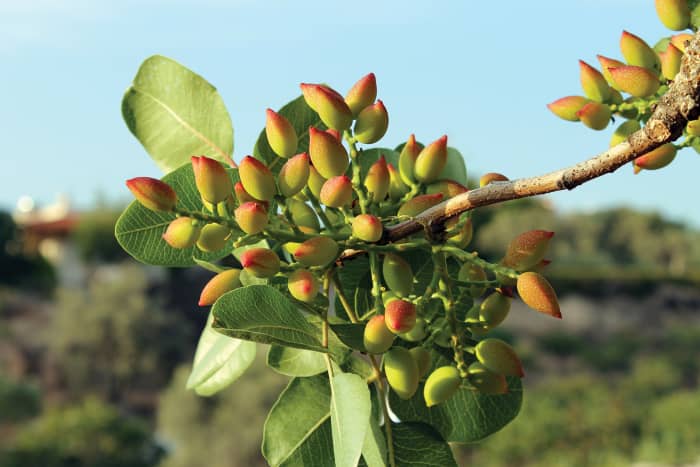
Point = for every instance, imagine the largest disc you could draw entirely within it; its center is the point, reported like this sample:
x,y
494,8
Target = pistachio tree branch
x,y
675,108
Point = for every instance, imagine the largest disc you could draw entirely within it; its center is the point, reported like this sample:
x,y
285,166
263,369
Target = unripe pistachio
x,y
623,131
328,155
444,339
473,273
377,337
152,193
367,227
422,357
499,357
317,251
213,237
494,176
212,181
431,161
329,105
680,40
420,203
407,160
218,285
335,134
527,249
251,217
372,123
418,333
280,134
293,175
243,196
595,115
441,385
362,94
291,247
396,186
182,233
302,214
260,262
606,63
397,274
486,381
303,285
593,83
401,372
448,188
377,180
567,107
674,14
656,159
463,236
638,53
693,128
315,182
494,309
337,191
670,61
257,179
615,96
538,294
400,316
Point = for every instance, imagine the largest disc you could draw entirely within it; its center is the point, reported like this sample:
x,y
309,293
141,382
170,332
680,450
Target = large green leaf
x,y
261,313
295,362
351,335
355,280
176,114
139,230
218,361
298,429
419,444
374,446
350,416
455,169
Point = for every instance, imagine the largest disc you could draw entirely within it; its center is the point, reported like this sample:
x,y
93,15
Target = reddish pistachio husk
x,y
422,357
243,196
372,123
316,181
638,53
473,273
623,131
337,192
593,83
401,372
494,309
680,40
448,188
257,179
693,128
293,175
486,381
328,155
182,233
670,61
499,357
407,160
377,180
280,134
656,159
674,14
362,94
213,237
441,385
493,177
605,64
318,251
335,134
328,104
538,294
397,274
260,262
396,186
302,214
527,249
218,285
367,227
595,115
377,337
431,161
400,316
567,107
251,217
152,193
420,203
303,285
213,183
463,236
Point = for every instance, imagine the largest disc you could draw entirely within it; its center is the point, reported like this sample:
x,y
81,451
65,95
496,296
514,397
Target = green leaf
x,y
176,114
351,335
355,280
455,169
139,230
215,268
298,428
295,362
350,414
370,156
419,444
261,313
374,446
218,361
694,6
301,117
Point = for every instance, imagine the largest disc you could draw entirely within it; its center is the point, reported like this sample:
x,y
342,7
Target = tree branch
x,y
676,107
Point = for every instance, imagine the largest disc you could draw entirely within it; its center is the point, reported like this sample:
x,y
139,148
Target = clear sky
x,y
482,72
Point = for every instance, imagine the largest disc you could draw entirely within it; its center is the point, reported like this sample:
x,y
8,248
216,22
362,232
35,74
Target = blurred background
x,y
95,348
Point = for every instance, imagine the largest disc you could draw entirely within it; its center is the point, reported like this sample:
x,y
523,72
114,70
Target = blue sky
x,y
482,72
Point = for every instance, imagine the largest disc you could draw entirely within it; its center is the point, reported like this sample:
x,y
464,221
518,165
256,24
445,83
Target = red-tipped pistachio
x,y
181,233
605,64
623,131
291,247
442,384
494,176
251,217
329,105
398,275
317,251
377,337
486,381
328,155
527,249
407,160
152,193
637,52
315,182
396,186
400,316
218,285
303,285
362,94
431,161
448,188
401,372
302,214
377,180
567,107
422,357
418,333
494,309
337,192
538,294
372,123
293,175
656,159
593,83
257,179
420,203
680,40
499,357
367,227
674,14
213,237
670,61
260,262
473,273
212,181
280,134
595,115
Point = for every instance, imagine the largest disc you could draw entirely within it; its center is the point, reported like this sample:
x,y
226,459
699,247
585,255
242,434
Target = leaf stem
x,y
344,300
